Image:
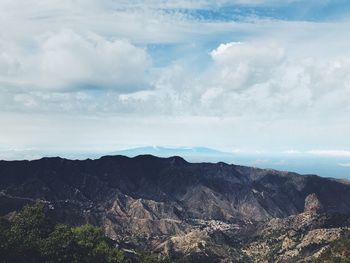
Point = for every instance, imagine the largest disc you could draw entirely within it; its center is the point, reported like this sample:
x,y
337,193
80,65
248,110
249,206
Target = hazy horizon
x,y
325,164
260,78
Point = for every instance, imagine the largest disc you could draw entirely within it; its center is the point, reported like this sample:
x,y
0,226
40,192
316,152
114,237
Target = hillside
x,y
206,211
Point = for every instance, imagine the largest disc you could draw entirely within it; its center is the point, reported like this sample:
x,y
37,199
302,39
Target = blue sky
x,y
234,75
313,10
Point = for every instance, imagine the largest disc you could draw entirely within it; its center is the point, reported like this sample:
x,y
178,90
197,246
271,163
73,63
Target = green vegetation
x,y
33,237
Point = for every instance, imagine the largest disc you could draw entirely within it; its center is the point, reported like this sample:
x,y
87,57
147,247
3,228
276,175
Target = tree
x,y
60,245
32,237
94,246
4,236
27,230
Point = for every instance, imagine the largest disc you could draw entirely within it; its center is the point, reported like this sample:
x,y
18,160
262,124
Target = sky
x,y
235,75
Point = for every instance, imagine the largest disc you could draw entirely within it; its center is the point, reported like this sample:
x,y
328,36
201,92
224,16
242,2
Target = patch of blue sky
x,y
229,13
163,54
312,10
195,53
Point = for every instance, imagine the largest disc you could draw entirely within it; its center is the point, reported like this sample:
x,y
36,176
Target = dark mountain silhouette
x,y
159,199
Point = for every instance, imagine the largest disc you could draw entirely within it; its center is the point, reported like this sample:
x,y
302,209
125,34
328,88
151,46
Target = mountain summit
x,y
173,205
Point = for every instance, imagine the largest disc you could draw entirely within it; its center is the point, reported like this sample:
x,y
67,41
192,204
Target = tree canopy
x,y
32,237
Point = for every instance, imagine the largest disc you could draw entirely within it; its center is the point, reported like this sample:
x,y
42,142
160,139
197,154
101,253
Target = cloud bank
x,y
130,73
68,61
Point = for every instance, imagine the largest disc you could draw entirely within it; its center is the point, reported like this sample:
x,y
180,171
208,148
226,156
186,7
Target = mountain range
x,y
206,212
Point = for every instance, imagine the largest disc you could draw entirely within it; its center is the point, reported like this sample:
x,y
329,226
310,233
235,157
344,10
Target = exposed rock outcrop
x,y
312,204
215,211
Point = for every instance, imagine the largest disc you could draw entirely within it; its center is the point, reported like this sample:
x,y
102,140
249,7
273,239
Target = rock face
x,y
175,206
312,204
298,238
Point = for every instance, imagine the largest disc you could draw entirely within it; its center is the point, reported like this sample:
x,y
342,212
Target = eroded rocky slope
x,y
214,212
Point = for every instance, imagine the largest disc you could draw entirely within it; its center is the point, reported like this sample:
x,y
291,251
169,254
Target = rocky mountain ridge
x,y
215,212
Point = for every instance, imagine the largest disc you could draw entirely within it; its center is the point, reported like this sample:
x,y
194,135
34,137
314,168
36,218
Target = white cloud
x,y
292,152
263,79
333,153
344,164
252,83
8,64
252,79
242,65
67,60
